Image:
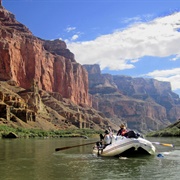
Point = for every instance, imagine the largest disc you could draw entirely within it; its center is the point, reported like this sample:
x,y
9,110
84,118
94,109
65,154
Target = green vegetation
x,y
33,133
167,132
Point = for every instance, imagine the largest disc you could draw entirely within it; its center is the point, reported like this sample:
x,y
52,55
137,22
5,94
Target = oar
x,y
163,144
68,147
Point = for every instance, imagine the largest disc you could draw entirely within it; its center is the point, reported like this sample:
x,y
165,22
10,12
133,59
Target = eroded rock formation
x,y
42,85
24,57
34,108
143,104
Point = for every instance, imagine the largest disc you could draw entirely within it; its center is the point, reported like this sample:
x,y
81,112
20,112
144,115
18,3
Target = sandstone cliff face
x,y
141,103
25,58
35,108
157,91
41,84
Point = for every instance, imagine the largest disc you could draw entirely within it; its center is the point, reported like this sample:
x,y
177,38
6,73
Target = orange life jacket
x,y
124,131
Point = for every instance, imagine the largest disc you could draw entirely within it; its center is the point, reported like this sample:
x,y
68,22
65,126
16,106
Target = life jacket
x,y
123,132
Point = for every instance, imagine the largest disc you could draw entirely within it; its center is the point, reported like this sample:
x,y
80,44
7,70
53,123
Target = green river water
x,y
36,159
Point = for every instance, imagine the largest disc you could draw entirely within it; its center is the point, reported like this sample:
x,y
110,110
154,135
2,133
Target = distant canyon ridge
x,y
42,86
141,103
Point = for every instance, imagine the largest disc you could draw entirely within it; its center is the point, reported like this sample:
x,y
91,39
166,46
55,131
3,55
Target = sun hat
x,y
122,126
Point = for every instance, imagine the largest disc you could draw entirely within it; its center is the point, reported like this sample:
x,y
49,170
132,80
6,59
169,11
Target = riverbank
x,y
33,133
170,131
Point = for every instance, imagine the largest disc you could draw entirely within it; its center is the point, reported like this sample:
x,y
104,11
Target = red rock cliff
x,y
141,103
24,58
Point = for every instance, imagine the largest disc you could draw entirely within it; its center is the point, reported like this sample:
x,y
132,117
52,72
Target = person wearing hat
x,y
107,138
122,131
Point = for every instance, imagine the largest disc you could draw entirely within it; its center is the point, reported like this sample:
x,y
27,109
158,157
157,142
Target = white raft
x,y
122,146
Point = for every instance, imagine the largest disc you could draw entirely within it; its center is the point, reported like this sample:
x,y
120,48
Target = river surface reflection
x,y
36,159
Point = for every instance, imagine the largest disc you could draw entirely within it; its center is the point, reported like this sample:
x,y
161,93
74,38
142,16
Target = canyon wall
x,y
143,104
25,58
41,84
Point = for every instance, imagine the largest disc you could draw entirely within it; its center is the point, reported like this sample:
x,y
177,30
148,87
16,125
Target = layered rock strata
x,y
143,104
25,58
35,108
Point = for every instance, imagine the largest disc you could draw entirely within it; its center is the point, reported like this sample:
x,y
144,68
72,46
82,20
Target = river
x,y
36,159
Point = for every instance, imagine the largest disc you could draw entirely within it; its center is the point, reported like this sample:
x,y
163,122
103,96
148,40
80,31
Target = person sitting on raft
x,y
122,131
129,134
104,140
107,138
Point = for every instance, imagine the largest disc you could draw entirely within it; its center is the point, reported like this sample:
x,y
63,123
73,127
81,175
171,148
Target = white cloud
x,y
177,57
69,29
132,20
138,19
171,75
159,37
122,49
74,37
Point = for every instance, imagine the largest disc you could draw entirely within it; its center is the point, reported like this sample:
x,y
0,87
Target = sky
x,y
137,38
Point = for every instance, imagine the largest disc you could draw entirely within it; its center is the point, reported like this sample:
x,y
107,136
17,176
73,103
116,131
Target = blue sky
x,y
139,38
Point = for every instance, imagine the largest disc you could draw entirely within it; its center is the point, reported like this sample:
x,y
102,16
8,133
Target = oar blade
x,y
163,144
63,148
